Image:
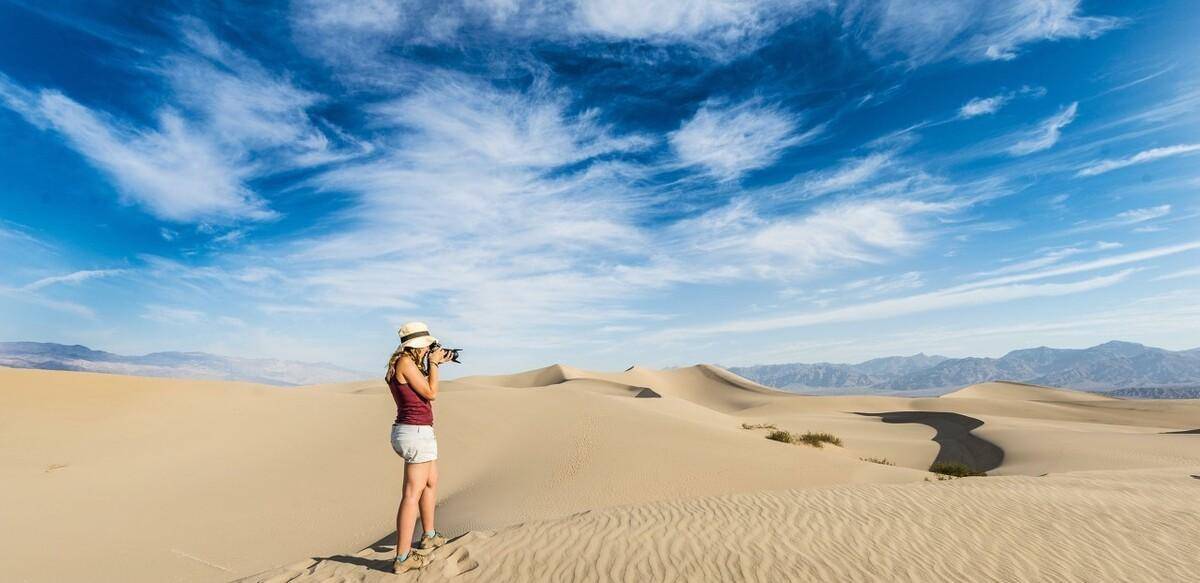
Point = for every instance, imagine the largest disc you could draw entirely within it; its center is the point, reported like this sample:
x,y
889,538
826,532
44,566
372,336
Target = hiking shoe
x,y
428,543
412,562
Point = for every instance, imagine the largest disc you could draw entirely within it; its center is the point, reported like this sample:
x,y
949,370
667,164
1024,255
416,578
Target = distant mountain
x,y
798,375
900,365
1109,366
187,365
829,375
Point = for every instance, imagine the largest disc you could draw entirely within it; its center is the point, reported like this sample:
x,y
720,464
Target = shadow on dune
x,y
384,565
383,545
954,436
1185,432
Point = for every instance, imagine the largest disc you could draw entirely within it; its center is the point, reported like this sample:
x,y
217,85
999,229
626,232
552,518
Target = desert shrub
x,y
758,426
877,460
956,469
778,435
819,439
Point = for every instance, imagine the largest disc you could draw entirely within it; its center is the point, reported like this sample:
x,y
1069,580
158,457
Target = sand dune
x,y
155,479
1022,392
112,478
1072,527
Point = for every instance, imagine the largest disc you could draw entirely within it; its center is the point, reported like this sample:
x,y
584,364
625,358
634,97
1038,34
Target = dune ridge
x,y
1022,392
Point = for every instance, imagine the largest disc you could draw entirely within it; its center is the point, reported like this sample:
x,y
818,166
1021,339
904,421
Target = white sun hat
x,y
415,335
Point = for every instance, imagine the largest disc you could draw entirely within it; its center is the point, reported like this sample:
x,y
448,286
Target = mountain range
x,y
1105,367
1117,368
188,365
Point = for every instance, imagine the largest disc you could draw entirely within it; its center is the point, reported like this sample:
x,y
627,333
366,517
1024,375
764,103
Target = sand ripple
x,y
1087,526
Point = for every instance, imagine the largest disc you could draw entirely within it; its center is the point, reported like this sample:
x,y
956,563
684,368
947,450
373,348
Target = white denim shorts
x,y
415,443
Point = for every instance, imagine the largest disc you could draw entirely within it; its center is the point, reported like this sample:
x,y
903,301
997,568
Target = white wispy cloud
x,y
1182,273
1143,214
731,140
232,121
1124,219
1041,20
1086,266
1050,257
36,299
849,174
883,284
738,241
1046,134
230,237
496,201
720,28
971,30
19,235
726,21
1102,166
982,106
890,308
242,104
993,290
73,278
172,170
346,15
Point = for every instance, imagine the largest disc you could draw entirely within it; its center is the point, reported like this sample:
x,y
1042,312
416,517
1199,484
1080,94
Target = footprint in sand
x,y
459,562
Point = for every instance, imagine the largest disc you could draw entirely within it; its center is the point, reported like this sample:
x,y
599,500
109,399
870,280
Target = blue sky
x,y
600,182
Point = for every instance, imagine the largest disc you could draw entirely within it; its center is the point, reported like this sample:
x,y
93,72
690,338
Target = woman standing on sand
x,y
412,376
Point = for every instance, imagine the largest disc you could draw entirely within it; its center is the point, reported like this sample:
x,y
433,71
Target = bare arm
x,y
427,388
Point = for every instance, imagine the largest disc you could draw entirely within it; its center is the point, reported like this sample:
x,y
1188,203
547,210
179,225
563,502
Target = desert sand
x,y
562,474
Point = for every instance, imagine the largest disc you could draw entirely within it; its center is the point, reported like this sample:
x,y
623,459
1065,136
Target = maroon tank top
x,y
411,407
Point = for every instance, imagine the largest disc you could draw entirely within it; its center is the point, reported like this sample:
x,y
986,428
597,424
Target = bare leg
x,y
415,477
429,497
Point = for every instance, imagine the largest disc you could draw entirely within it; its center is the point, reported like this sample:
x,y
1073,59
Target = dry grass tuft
x,y
779,435
819,439
956,469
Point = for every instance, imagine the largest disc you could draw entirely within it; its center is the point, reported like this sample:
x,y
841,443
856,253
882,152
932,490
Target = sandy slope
x,y
209,481
1107,526
1023,392
113,478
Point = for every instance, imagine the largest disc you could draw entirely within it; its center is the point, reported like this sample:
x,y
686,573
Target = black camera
x,y
451,352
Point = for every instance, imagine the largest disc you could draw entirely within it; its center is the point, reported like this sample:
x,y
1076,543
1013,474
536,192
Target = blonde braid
x,y
397,354
391,369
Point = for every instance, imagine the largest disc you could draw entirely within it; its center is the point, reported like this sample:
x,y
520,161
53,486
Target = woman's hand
x,y
438,356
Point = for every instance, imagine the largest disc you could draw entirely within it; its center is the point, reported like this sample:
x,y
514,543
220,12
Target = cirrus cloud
x,y
1102,166
730,140
1046,134
971,30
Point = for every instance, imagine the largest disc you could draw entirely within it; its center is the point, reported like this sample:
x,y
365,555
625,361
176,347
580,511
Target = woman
x,y
412,376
